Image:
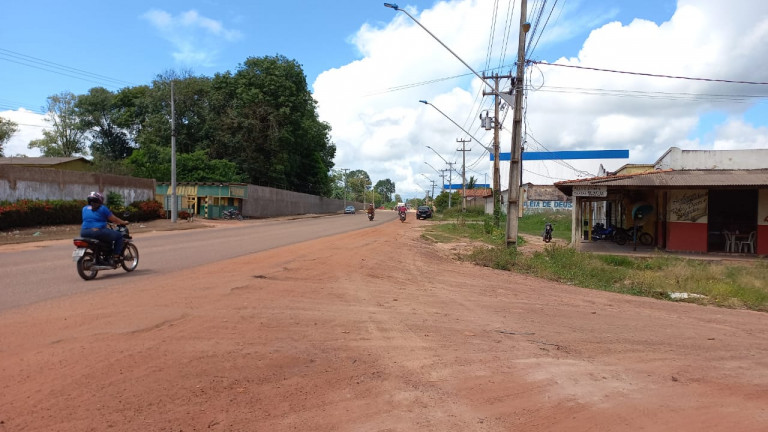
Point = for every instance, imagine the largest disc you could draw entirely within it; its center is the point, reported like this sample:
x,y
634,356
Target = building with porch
x,y
689,201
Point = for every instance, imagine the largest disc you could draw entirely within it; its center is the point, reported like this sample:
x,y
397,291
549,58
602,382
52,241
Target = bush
x,y
145,210
26,213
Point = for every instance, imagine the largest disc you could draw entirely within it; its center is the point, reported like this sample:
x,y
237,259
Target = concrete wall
x,y
266,202
18,182
713,159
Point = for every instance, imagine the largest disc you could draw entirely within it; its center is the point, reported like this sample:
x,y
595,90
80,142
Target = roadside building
x,y
688,200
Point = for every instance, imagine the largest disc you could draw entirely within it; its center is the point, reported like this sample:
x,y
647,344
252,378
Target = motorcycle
x,y
547,232
600,232
402,216
92,255
370,216
624,235
232,214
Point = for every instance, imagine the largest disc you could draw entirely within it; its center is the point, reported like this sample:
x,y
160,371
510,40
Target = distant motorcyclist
x,y
370,211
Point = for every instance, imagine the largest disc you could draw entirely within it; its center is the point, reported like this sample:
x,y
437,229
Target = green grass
x,y
741,285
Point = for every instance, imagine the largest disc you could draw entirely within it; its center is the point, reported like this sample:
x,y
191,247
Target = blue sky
x,y
368,67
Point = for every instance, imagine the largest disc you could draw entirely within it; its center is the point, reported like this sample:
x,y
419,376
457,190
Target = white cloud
x,y
195,38
30,127
385,132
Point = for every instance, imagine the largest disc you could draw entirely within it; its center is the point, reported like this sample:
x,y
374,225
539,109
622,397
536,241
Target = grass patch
x,y
732,285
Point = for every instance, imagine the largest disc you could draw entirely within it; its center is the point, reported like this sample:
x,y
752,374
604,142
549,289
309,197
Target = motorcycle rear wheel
x,y
130,257
645,239
85,266
620,238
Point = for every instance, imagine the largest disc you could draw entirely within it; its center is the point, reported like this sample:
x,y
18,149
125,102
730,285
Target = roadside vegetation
x,y
733,285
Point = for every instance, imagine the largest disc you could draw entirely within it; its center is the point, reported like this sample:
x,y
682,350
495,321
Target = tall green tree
x,y
66,136
385,188
269,125
99,114
7,129
358,182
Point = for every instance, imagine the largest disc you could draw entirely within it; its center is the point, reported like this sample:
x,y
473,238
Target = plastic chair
x,y
748,245
730,242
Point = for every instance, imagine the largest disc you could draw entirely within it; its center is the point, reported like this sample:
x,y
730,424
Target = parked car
x,y
423,212
349,210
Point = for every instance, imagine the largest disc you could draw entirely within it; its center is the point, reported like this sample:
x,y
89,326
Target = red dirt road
x,y
377,330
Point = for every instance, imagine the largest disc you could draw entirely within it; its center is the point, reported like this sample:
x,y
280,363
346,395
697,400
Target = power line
x,y
37,63
647,74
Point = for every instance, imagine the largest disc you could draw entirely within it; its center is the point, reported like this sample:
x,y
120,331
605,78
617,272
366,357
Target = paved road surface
x,y
41,271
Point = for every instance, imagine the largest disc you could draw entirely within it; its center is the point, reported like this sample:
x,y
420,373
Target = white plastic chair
x,y
748,245
730,242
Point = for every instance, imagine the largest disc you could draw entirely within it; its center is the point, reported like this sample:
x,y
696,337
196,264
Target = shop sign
x,y
590,191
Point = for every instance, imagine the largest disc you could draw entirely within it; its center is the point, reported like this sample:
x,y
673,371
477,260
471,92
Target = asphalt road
x,y
42,271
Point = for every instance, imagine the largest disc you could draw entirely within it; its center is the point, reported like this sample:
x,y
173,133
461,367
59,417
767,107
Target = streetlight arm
x,y
457,125
446,162
506,97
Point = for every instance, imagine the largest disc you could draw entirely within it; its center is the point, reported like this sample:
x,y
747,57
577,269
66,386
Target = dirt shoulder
x,y
376,330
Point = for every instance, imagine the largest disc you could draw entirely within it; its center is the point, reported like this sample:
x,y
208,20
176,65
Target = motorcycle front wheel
x,y
85,266
130,257
645,239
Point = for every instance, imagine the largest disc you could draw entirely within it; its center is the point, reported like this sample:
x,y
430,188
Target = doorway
x,y
732,210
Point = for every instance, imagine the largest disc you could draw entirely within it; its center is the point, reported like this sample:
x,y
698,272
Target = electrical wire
x,y
48,66
649,74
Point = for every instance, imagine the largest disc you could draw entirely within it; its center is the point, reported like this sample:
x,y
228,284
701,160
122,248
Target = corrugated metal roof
x,y
675,179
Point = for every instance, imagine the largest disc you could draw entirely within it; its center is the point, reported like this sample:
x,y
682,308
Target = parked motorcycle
x,y
600,232
93,255
547,232
402,216
231,214
625,235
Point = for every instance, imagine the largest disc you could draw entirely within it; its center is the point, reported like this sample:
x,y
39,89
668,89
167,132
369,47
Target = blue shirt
x,y
95,218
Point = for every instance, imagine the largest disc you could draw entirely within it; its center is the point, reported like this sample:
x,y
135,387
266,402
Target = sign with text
x,y
590,191
688,206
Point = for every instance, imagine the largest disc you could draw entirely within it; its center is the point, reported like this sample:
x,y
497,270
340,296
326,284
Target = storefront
x,y
683,210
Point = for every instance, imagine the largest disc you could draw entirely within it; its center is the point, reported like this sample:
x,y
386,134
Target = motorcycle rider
x,y
370,210
95,218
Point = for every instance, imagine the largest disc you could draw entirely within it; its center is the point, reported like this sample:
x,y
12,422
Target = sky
x,y
608,74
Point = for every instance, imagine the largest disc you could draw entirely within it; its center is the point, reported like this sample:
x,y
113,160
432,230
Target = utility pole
x,y
450,182
463,151
345,187
174,204
442,176
515,166
496,126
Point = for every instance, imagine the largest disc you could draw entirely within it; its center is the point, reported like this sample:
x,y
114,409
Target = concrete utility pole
x,y
496,126
345,186
442,176
515,166
450,181
174,204
463,151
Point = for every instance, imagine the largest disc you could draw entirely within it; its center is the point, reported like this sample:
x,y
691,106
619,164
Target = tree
x,y
99,113
270,127
471,182
155,162
385,188
65,139
7,129
357,183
